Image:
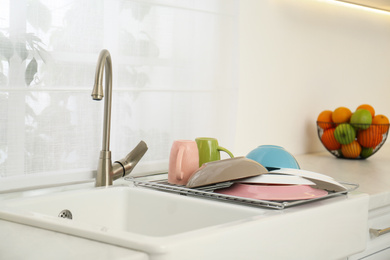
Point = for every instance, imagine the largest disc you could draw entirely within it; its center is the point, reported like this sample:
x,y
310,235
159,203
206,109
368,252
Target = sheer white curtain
x,y
175,75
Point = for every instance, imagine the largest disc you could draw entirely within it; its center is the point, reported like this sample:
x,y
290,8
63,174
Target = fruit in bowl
x,y
352,135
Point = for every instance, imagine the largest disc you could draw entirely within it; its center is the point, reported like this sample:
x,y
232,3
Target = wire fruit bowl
x,y
352,141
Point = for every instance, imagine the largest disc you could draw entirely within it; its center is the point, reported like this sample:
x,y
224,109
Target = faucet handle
x,y
124,166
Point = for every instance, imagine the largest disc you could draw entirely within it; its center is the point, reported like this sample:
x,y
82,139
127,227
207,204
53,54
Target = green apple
x,y
344,133
366,152
362,119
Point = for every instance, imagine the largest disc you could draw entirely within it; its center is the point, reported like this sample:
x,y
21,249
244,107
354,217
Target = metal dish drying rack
x,y
208,192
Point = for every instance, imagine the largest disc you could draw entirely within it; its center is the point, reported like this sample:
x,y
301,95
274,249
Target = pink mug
x,y
183,161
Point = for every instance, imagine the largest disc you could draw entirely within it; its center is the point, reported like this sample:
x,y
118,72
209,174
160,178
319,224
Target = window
x,y
174,77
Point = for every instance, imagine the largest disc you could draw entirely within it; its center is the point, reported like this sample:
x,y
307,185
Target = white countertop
x,y
372,174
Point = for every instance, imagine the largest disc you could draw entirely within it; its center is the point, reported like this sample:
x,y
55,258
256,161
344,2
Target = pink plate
x,y
273,192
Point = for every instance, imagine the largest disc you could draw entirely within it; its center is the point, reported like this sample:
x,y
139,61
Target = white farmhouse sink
x,y
170,226
134,210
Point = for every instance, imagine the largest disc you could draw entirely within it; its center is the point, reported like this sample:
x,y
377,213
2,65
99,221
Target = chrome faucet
x,y
107,172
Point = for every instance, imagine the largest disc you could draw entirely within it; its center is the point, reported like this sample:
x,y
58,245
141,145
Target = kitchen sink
x,y
134,210
172,226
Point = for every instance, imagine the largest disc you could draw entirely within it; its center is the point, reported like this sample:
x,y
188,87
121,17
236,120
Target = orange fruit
x,y
324,119
370,137
351,150
382,122
329,141
341,115
367,107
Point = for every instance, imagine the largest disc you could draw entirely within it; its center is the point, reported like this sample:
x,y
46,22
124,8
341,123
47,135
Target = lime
x,y
361,119
366,152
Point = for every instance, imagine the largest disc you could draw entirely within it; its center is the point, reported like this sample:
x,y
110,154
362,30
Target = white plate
x,y
271,178
302,173
322,181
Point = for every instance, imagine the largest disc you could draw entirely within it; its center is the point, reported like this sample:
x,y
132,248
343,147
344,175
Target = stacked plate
x,y
284,184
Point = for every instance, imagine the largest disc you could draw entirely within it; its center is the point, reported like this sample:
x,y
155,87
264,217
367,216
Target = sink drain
x,y
65,214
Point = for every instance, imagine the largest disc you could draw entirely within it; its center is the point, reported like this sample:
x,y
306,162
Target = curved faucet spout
x,y
104,64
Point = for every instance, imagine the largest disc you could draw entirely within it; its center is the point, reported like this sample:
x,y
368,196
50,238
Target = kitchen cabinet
x,y
378,246
377,4
382,255
373,177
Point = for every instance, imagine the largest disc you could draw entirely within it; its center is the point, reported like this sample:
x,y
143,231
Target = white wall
x,y
300,57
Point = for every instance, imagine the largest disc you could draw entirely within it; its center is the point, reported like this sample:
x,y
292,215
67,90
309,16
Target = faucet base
x,y
103,177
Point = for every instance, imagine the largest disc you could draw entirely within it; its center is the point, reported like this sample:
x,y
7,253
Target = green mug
x,y
209,150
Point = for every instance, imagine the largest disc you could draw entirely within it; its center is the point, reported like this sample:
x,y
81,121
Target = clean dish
x,y
273,156
272,178
322,181
225,170
273,192
302,173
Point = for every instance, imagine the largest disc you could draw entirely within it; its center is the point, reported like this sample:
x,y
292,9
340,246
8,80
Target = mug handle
x,y
178,163
219,148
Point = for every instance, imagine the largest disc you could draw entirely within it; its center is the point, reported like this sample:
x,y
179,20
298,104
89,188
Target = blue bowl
x,y
273,156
